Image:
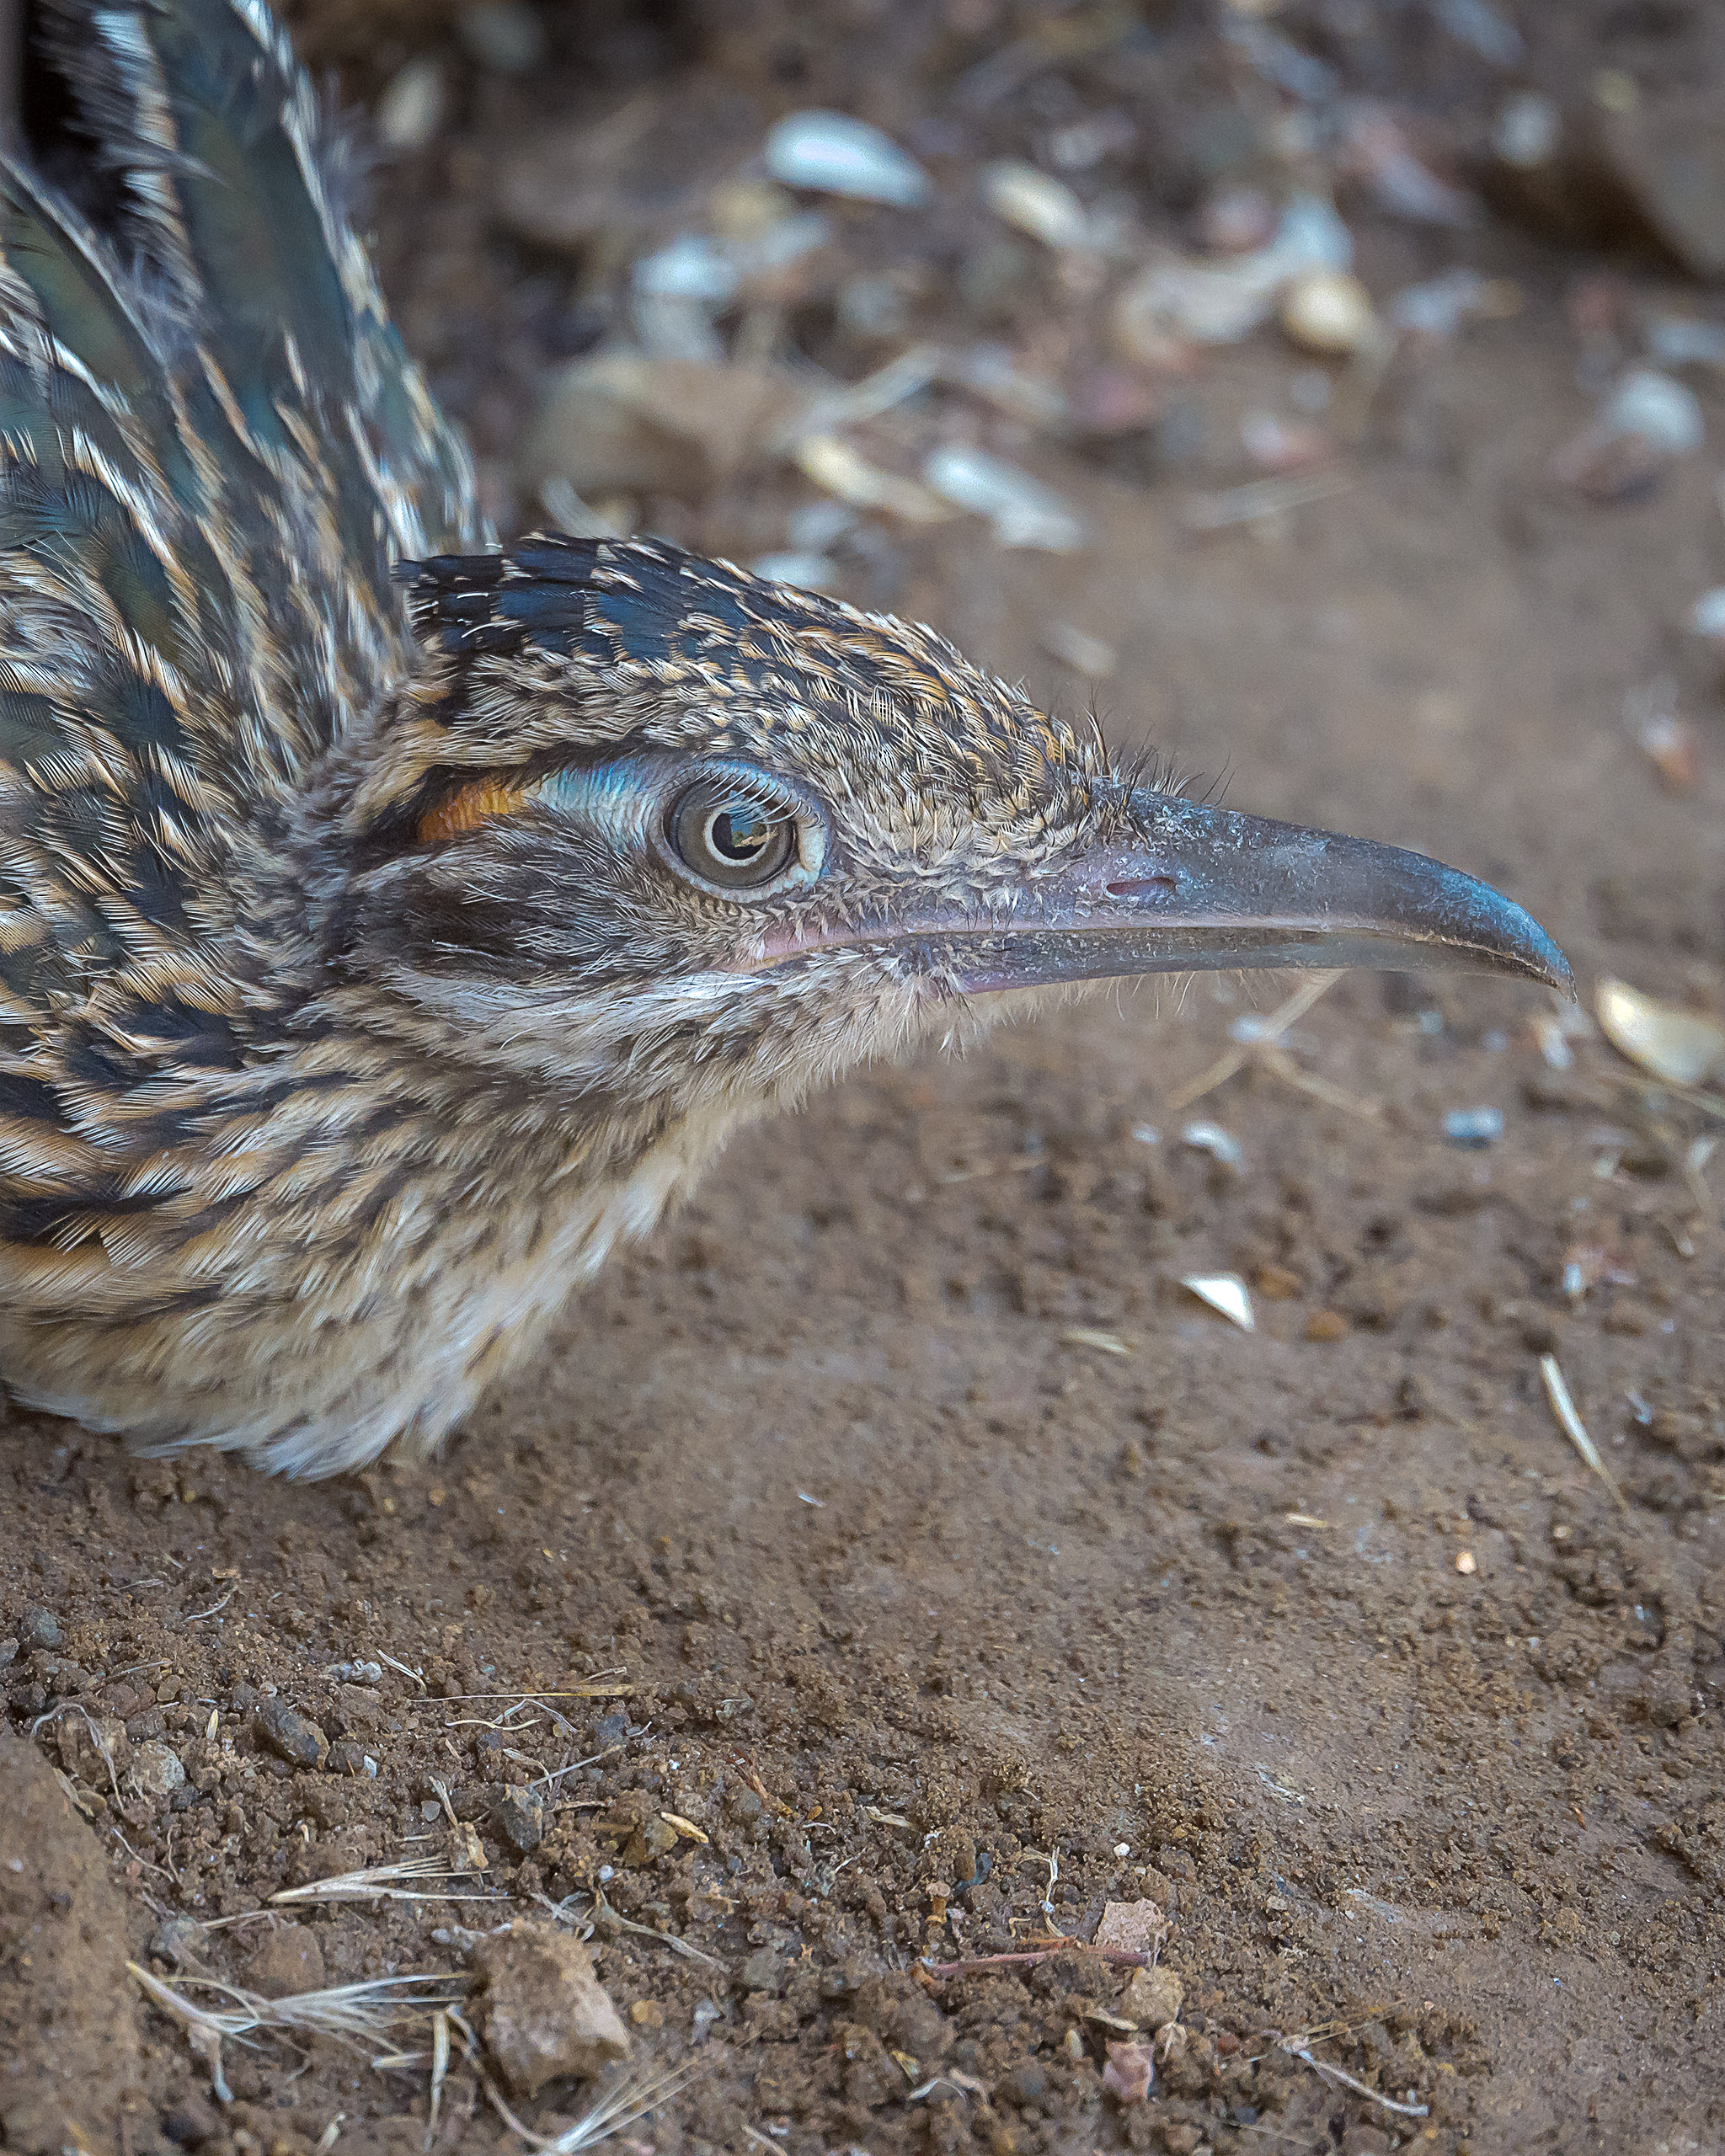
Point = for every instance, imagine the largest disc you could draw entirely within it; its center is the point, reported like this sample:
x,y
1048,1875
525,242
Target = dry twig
x,y
1264,1048
1120,1957
1296,2047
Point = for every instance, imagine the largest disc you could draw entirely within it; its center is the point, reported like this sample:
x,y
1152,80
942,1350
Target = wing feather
x,y
213,449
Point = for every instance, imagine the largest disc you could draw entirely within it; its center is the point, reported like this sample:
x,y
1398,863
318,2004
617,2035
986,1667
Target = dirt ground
x,y
898,1522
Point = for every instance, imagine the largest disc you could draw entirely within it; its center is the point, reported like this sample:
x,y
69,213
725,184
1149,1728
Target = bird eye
x,y
728,836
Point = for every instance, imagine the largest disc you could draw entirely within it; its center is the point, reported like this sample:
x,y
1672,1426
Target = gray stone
x,y
156,1769
290,1735
40,1628
519,1817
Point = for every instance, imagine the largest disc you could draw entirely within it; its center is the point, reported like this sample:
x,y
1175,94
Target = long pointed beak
x,y
1191,888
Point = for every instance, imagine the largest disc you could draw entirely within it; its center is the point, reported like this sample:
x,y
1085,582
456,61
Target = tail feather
x,y
213,448
231,180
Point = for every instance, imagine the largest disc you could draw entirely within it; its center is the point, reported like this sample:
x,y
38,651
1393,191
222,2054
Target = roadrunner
x,y
390,924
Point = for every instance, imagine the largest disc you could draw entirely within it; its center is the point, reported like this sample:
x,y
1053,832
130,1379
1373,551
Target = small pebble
x,y
1474,1127
1129,2074
830,153
1023,2084
40,1628
1329,311
290,1735
410,111
1526,131
1664,413
156,1769
1045,208
543,2013
1465,1563
519,1817
1327,1325
658,1838
352,1672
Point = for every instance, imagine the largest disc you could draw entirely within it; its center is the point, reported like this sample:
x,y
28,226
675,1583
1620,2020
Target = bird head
x,y
647,828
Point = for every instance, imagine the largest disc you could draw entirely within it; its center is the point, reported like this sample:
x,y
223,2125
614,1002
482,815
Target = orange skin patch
x,y
473,805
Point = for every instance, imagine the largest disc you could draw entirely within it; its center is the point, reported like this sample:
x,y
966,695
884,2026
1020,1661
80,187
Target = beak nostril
x,y
1142,887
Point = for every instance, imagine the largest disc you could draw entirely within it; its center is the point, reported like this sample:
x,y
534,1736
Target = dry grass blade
x,y
355,2015
381,1883
1244,505
1572,1426
440,2069
644,2090
619,2108
103,1750
1266,1048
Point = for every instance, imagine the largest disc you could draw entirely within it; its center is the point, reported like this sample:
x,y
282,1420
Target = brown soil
x,y
825,1529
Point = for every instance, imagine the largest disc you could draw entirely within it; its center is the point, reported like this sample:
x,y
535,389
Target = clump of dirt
x,y
69,2067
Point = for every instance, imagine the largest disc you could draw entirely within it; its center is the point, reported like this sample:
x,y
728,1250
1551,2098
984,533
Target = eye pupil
x,y
731,839
739,834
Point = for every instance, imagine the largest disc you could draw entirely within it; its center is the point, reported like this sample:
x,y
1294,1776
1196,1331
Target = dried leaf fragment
x,y
1678,1047
1226,1292
1137,1927
1130,2071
